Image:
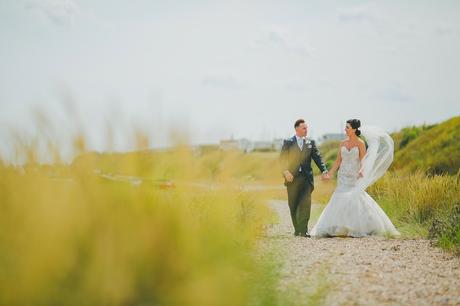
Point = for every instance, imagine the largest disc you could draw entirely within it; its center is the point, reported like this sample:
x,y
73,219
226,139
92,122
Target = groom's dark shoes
x,y
307,235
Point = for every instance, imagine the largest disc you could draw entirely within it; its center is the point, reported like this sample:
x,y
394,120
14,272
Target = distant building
x,y
331,136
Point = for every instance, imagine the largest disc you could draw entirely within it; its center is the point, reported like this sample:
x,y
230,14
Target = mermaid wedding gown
x,y
351,211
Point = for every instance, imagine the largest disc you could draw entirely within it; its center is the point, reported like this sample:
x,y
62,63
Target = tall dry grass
x,y
415,200
415,197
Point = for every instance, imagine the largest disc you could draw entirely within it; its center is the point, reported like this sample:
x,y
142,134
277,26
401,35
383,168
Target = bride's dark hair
x,y
355,124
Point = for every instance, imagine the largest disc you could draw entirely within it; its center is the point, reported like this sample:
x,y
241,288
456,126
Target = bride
x,y
351,211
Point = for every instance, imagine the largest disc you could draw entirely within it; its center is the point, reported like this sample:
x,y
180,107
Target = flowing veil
x,y
378,158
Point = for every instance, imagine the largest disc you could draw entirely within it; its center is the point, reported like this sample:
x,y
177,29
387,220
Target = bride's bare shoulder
x,y
361,144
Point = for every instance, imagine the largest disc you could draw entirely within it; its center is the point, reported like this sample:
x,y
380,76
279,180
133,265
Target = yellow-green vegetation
x,y
329,151
72,235
433,149
422,192
445,228
414,200
188,163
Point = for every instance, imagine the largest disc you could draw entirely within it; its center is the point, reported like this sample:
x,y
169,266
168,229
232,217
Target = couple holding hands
x,y
351,211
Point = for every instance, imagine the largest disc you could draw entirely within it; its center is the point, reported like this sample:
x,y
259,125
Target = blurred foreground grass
x,y
71,236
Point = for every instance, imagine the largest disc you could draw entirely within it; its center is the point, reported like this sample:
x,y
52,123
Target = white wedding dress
x,y
351,211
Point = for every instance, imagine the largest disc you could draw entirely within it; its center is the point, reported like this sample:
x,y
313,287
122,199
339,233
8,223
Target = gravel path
x,y
359,271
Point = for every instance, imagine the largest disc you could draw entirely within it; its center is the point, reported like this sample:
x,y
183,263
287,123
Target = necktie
x,y
300,143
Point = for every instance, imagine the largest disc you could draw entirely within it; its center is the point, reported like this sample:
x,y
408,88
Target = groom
x,y
296,155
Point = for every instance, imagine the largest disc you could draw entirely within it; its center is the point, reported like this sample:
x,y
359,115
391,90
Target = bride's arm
x,y
337,162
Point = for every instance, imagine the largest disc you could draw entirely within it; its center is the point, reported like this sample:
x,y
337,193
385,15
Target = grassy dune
x,y
433,149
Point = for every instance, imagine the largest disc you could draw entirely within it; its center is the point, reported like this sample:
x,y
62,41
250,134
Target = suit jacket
x,y
292,158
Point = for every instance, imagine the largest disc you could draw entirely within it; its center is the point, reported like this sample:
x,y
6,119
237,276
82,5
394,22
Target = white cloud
x,y
59,12
297,86
224,81
396,93
277,37
303,86
447,29
356,14
368,14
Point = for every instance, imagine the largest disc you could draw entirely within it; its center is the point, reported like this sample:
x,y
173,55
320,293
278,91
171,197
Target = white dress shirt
x,y
300,141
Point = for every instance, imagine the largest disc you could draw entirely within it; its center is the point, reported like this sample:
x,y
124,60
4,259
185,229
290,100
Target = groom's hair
x,y
298,122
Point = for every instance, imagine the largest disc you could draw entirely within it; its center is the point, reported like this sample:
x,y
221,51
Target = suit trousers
x,y
299,200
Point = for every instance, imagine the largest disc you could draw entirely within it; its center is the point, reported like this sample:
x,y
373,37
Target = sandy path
x,y
360,271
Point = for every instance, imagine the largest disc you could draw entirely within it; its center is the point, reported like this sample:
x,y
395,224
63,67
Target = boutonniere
x,y
308,143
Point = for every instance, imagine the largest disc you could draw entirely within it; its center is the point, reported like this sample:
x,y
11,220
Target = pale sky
x,y
216,69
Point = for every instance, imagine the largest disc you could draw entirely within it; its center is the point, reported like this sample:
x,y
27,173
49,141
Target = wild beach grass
x,y
421,205
414,197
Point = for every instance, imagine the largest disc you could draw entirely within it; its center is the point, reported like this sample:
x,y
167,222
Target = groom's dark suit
x,y
298,162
